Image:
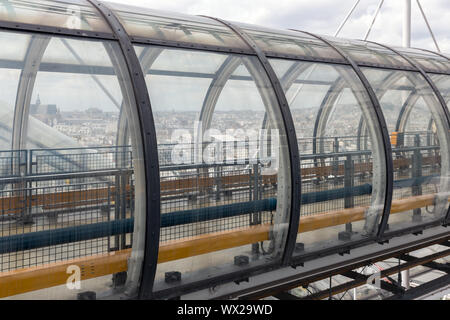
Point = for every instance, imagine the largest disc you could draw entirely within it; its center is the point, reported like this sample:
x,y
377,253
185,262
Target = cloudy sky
x,y
323,16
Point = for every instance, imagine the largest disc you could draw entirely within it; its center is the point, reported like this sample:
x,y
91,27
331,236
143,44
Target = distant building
x,y
47,113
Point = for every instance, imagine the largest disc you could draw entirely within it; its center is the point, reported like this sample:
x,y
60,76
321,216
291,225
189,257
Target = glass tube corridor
x,y
148,154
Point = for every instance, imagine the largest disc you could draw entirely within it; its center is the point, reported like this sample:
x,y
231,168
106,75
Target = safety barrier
x,y
45,276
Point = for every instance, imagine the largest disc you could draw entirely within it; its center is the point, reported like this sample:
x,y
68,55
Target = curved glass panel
x,y
429,62
15,47
442,82
343,171
224,181
370,53
288,42
174,27
420,146
72,139
70,14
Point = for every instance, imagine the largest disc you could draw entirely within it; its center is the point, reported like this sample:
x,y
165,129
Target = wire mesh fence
x,y
48,161
56,189
44,203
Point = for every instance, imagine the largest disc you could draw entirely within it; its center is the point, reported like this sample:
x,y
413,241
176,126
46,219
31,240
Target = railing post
x,y
417,173
218,181
123,204
255,217
335,160
107,212
349,201
117,204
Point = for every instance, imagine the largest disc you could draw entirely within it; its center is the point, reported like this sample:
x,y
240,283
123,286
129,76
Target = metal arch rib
x,y
328,105
269,116
122,128
217,85
291,140
441,100
424,74
32,61
324,112
293,73
222,76
37,47
150,151
410,102
320,122
362,128
288,79
388,81
147,58
405,111
384,133
215,89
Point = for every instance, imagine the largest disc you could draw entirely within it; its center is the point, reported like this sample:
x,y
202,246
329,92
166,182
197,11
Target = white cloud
x,y
323,16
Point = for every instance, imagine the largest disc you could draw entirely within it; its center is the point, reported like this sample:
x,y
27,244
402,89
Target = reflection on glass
x,y
419,139
342,162
224,166
69,147
366,52
169,26
69,14
442,82
15,47
289,42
